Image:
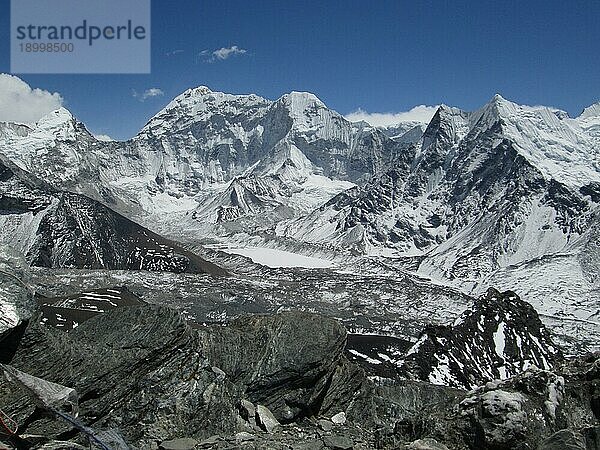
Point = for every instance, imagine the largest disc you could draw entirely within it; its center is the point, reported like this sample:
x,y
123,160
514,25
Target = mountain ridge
x,y
473,195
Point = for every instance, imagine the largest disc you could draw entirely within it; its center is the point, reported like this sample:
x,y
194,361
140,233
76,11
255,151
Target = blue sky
x,y
380,56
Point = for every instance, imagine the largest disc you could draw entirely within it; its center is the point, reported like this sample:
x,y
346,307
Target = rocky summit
x,y
500,336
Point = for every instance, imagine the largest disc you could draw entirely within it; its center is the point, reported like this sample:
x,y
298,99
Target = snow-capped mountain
x,y
60,229
535,166
465,164
477,199
209,156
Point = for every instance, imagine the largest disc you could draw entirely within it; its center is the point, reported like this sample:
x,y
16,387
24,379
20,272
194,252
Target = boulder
x,y
325,425
179,444
265,419
339,418
425,444
244,436
338,442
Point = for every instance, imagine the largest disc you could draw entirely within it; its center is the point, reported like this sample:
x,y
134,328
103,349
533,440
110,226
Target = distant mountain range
x,y
507,195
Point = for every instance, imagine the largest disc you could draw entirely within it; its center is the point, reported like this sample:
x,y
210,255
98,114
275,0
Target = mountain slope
x,y
59,229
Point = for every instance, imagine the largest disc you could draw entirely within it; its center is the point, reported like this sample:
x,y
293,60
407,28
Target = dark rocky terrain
x,y
147,377
498,337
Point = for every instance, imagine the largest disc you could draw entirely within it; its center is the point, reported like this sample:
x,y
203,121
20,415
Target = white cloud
x,y
421,113
20,103
148,93
174,52
223,53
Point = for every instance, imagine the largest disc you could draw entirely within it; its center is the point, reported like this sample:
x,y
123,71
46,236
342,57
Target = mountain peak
x,y
298,101
200,90
495,109
591,111
55,118
497,103
498,98
197,104
191,94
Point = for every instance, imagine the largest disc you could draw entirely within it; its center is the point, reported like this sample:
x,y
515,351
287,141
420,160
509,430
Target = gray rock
x,y
220,374
338,442
283,360
266,419
247,410
325,425
309,444
144,371
350,391
425,444
179,444
210,442
244,436
564,440
592,437
60,445
339,418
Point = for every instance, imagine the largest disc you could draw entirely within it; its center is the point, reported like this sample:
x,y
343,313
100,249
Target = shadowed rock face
x,y
143,370
79,232
500,336
286,362
60,229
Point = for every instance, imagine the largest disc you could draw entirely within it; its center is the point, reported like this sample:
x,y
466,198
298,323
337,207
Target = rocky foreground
x,y
145,378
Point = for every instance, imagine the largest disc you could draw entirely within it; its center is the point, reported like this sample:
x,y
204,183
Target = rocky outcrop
x,y
520,413
144,371
564,440
498,337
136,368
286,360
